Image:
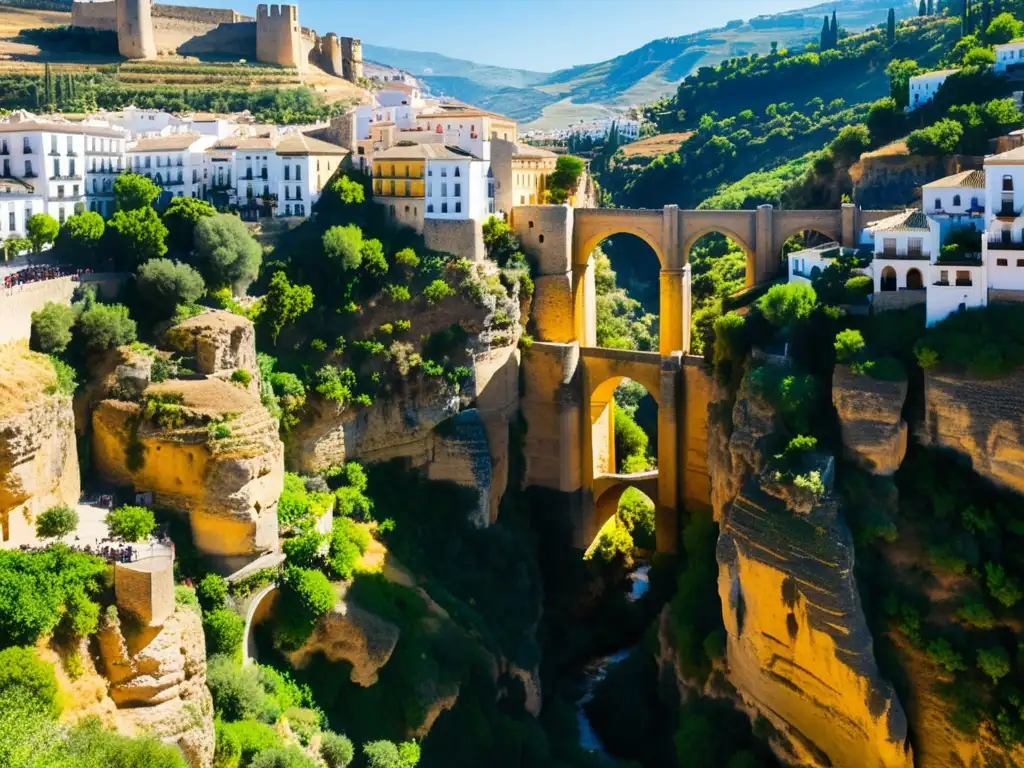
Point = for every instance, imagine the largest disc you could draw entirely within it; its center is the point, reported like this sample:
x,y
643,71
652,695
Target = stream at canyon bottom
x,y
597,669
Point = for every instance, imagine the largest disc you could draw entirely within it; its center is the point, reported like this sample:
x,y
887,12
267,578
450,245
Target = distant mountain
x,y
545,100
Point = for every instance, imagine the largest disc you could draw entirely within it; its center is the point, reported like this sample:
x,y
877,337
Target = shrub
x,y
976,614
236,690
104,326
630,439
224,630
228,752
241,376
397,292
336,384
1004,588
303,551
349,541
253,737
283,757
164,284
344,245
349,192
994,662
637,513
943,654
187,597
336,750
285,303
730,338
849,345
51,328
21,668
562,181
407,258
306,595
226,254
437,291
65,382
56,522
130,523
372,253
304,723
385,754
786,305
940,138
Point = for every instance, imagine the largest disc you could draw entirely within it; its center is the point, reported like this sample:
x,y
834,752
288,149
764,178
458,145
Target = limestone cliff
x,y
798,650
980,419
215,455
220,342
158,682
349,633
38,454
874,433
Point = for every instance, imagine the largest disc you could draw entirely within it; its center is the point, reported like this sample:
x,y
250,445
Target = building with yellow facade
x,y
520,173
399,175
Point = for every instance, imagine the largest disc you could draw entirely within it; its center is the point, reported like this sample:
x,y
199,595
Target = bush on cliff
x,y
22,671
51,328
225,253
224,630
986,342
306,595
164,284
105,326
336,750
283,757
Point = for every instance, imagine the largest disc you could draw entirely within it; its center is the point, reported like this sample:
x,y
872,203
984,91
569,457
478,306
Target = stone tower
x,y
351,58
135,38
278,35
330,55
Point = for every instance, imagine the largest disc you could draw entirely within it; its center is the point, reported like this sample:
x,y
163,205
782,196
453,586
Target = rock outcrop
x,y
221,342
158,682
122,372
982,419
349,633
460,454
214,454
38,452
798,650
874,433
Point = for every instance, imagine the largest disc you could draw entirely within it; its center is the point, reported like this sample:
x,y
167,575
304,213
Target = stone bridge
x,y
569,382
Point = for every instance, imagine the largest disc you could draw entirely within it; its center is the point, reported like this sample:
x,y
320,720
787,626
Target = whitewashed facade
x,y
923,87
1008,54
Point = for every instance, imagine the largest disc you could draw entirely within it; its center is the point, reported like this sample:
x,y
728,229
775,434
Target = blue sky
x,y
562,32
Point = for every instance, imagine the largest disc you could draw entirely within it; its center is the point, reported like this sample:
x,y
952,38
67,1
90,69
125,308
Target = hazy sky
x,y
525,34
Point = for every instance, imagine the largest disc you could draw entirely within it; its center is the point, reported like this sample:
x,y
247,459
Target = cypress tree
x,y
834,31
986,15
35,92
58,93
890,28
921,10
824,35
929,7
48,84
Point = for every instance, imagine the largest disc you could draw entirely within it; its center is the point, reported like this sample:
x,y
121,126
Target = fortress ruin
x,y
146,29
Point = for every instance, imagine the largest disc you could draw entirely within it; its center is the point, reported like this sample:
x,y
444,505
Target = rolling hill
x,y
545,100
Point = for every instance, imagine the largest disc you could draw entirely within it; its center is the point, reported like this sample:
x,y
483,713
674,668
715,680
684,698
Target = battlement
x,y
286,12
278,35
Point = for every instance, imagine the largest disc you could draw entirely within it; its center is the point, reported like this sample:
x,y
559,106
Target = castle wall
x,y
198,15
351,58
95,15
330,55
238,39
463,237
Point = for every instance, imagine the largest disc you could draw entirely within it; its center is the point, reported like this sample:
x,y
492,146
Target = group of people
x,y
39,273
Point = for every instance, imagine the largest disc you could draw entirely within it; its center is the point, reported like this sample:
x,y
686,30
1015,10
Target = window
x,y
444,207
458,206
430,207
963,277
889,246
944,276
456,171
11,223
1007,183
1001,262
71,146
914,246
531,225
53,144
149,162
288,210
287,173
71,172
540,238
56,168
27,147
956,200
458,190
60,190
74,190
408,189
61,214
1020,262
444,189
444,171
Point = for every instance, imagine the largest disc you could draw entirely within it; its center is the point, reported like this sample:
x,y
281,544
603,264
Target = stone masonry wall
x,y
463,238
18,304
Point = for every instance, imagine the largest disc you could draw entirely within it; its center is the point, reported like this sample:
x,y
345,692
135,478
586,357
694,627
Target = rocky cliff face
x,y
798,652
221,343
874,433
980,419
158,682
38,454
227,481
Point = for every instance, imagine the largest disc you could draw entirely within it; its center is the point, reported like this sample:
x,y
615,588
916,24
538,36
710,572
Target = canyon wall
x,y
870,414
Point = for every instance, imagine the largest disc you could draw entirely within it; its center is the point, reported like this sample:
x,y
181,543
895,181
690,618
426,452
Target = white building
x,y
285,173
1009,54
176,163
457,184
923,87
903,247
142,121
628,130
1003,243
806,265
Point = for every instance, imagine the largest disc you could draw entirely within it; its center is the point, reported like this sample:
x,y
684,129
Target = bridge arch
x,y
608,492
593,225
257,610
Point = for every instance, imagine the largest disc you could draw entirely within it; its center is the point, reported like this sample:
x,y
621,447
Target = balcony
x,y
26,150
31,175
1006,244
5,151
67,177
1007,212
904,254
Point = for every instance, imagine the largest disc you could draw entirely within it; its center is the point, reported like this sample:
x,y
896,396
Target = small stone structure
x,y
145,587
870,415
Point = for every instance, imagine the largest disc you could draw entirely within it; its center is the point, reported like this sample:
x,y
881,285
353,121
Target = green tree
x,y
164,284
284,757
921,10
824,42
212,592
42,230
349,192
138,235
223,629
561,182
849,345
994,662
344,245
56,522
306,595
285,303
51,328
849,143
372,256
80,236
1003,587
979,57
133,191
303,550
336,750
890,28
437,291
1003,29
786,305
21,668
886,120
15,246
104,326
181,218
130,523
226,254
385,754
899,72
938,139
